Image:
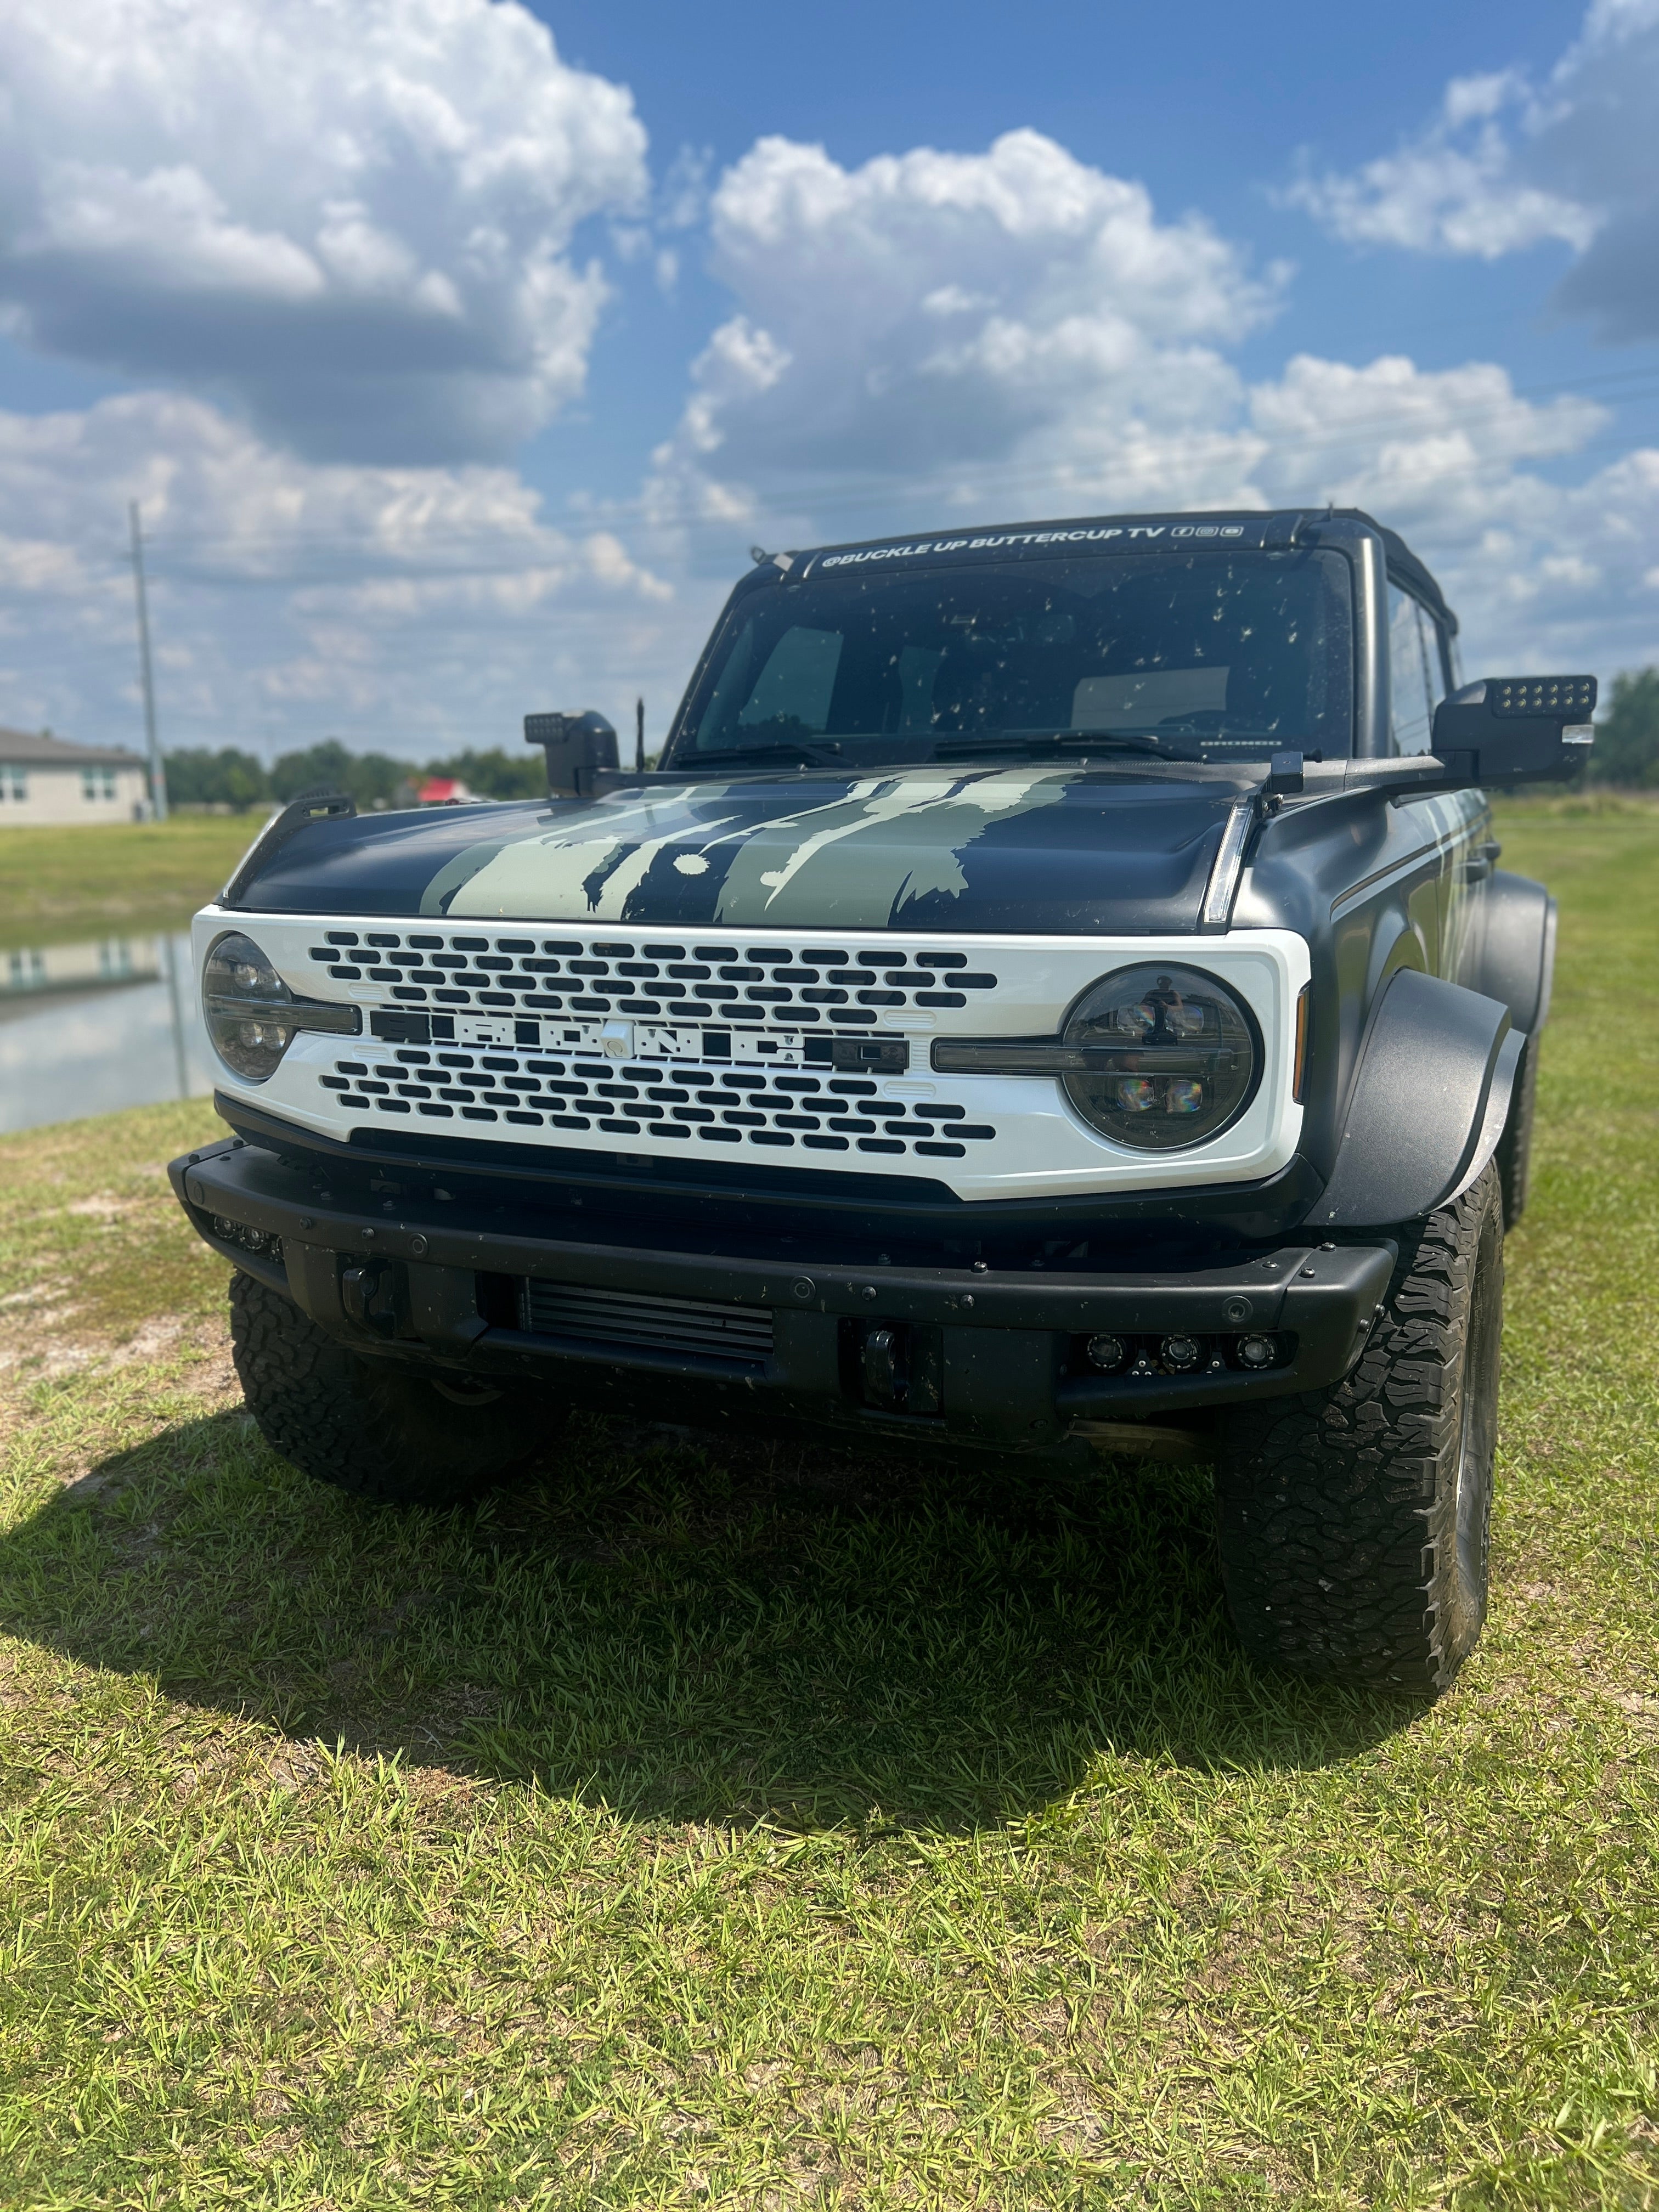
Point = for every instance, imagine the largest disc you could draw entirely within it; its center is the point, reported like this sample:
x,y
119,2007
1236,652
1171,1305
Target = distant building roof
x,y
23,748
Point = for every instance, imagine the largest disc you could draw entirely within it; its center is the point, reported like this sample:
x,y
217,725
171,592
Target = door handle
x,y
1481,861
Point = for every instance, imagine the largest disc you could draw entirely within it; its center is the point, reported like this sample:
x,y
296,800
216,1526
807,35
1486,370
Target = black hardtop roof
x,y
1245,526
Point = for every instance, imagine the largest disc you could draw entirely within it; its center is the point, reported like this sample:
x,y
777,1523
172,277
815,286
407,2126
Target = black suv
x,y
1054,993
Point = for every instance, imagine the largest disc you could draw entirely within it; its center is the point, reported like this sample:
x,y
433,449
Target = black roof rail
x,y
1404,565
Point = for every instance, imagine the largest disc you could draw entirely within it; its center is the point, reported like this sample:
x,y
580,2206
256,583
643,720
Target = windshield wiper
x,y
760,757
1032,740
1012,741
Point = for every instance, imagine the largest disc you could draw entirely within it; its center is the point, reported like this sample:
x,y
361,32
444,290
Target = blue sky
x,y
1208,105
457,350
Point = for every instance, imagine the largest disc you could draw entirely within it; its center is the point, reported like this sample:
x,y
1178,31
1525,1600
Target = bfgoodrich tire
x,y
383,1431
1355,1521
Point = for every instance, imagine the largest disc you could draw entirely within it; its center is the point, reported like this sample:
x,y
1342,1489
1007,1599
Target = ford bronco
x,y
1054,993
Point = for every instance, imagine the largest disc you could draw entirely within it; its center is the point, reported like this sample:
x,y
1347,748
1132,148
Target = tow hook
x,y
367,1292
900,1367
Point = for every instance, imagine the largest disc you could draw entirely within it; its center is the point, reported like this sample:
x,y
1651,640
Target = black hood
x,y
1038,850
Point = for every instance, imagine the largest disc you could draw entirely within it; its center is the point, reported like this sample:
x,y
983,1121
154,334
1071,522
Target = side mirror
x,y
1519,728
578,749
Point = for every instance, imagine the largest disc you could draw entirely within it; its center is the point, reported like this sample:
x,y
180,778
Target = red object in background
x,y
443,791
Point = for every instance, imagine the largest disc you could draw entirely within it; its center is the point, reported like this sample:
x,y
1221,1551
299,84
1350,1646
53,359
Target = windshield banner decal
x,y
996,540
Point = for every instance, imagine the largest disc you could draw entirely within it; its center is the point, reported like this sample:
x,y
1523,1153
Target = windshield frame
x,y
878,754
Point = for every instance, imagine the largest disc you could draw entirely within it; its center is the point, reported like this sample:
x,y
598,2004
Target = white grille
x,y
795,1048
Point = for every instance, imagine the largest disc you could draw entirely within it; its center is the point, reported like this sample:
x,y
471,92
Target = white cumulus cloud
x,y
928,339
956,319
1458,187
1414,441
933,339
411,609
1507,164
356,218
1544,571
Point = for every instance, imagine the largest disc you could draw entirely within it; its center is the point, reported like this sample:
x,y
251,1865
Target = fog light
x,y
1257,1352
1180,1351
251,1240
1107,1353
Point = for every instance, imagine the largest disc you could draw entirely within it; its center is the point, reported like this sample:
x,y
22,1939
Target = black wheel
x,y
384,1431
1355,1520
1513,1157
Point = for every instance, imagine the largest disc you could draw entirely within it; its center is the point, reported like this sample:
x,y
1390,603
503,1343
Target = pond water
x,y
89,1027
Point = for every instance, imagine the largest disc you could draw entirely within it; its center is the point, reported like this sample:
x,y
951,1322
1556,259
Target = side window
x,y
1415,680
1435,657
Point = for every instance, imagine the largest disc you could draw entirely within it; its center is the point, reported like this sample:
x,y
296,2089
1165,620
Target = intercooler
x,y
742,1333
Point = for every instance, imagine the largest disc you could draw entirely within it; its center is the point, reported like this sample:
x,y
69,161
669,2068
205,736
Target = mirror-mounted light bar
x,y
1558,698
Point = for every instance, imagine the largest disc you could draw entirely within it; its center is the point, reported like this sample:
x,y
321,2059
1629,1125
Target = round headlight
x,y
242,998
1170,1057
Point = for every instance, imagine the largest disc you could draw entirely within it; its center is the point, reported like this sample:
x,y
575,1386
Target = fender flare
x,y
1429,1099
1517,948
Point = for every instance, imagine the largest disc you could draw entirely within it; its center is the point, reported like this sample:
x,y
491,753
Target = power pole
x,y
639,736
158,780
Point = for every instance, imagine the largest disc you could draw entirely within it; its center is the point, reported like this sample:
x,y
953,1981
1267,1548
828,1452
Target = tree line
x,y
1627,754
1627,749
231,778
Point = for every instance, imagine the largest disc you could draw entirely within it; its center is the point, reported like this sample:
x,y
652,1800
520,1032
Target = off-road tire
x,y
384,1431
1355,1520
1513,1157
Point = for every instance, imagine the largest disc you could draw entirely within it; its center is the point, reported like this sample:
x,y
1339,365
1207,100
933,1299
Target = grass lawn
x,y
765,1828
60,885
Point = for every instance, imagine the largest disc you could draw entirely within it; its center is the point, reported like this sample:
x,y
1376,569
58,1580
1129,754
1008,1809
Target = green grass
x,y
703,1824
57,885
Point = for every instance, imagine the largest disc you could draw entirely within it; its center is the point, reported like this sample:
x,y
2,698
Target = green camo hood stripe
x,y
722,854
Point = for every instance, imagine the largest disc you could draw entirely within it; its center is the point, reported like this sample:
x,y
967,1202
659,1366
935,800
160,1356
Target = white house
x,y
47,780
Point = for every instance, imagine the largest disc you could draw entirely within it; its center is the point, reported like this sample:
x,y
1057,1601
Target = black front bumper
x,y
982,1356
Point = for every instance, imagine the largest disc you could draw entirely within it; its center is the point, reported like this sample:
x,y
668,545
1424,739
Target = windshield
x,y
1196,656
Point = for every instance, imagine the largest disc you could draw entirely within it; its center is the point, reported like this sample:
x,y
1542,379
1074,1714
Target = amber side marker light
x,y
1299,1078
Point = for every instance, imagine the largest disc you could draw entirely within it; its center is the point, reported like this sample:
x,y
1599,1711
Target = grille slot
x,y
780,1109
792,987
740,1333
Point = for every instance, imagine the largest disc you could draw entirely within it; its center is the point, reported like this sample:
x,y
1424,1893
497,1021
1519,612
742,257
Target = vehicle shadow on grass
x,y
687,1627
